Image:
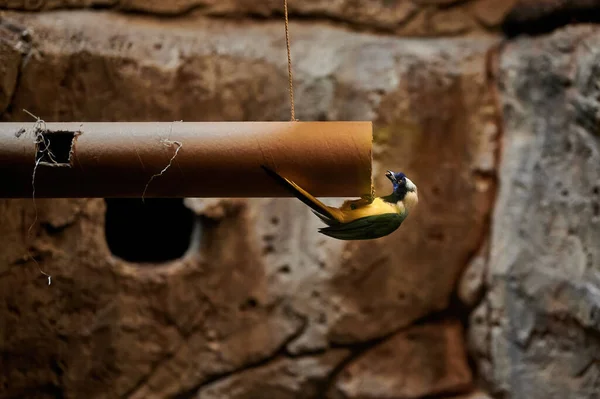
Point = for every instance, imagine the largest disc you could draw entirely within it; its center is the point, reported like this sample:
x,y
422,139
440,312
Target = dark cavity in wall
x,y
544,16
154,231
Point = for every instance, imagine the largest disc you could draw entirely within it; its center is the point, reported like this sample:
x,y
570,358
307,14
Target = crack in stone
x,y
493,59
492,65
492,68
323,388
280,352
25,47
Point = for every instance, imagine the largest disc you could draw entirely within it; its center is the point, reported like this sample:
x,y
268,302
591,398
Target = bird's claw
x,y
369,197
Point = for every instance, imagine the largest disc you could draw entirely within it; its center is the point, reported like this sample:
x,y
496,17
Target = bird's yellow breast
x,y
356,209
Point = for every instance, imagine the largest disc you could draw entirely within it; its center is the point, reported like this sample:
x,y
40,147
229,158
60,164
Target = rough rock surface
x,y
403,17
11,47
424,360
258,284
537,334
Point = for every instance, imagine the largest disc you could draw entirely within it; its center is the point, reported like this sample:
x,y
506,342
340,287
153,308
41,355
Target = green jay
x,y
361,219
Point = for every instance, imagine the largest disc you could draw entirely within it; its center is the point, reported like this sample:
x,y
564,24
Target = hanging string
x,y
289,57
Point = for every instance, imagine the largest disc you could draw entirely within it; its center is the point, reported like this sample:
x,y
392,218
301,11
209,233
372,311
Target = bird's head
x,y
402,184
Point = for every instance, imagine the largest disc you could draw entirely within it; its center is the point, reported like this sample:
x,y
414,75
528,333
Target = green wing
x,y
365,228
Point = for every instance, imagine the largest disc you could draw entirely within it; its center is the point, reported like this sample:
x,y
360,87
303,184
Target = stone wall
x,y
402,17
489,288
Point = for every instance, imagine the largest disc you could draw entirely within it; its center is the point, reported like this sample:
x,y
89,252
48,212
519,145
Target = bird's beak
x,y
390,175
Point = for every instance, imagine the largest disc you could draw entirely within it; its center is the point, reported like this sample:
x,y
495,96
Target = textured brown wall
x,y
402,17
260,305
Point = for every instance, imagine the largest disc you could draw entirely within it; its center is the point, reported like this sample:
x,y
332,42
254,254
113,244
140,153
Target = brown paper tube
x,y
216,159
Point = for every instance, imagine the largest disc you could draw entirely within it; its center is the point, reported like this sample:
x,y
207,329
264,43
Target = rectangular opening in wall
x,y
54,148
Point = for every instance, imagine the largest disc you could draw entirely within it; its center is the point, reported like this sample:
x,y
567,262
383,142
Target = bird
x,y
366,218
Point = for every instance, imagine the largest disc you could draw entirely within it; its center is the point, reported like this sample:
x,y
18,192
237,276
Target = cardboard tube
x,y
215,159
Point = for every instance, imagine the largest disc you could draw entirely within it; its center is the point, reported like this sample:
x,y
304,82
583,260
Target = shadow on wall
x,y
157,230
